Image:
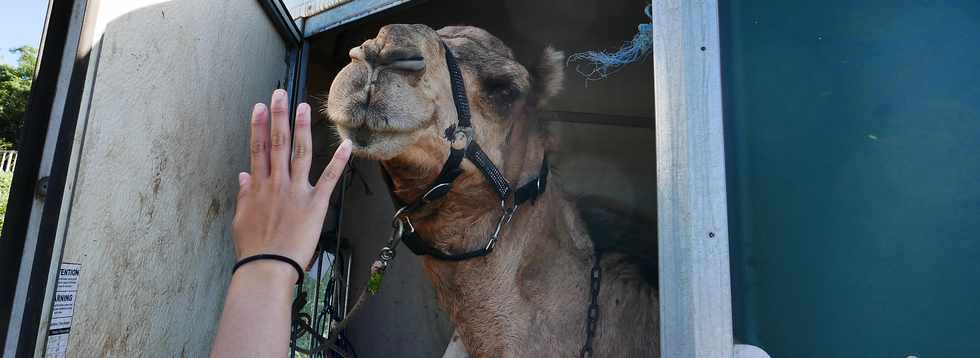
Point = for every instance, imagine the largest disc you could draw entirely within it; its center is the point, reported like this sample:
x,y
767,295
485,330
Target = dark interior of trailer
x,y
604,129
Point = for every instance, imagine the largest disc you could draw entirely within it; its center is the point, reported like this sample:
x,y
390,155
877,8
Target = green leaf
x,y
374,282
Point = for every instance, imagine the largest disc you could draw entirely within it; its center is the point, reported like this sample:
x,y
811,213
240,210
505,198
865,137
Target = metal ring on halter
x,y
489,247
399,229
411,228
399,212
504,219
399,226
463,137
425,197
400,218
386,254
503,206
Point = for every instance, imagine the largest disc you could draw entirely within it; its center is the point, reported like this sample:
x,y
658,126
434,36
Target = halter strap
x,y
464,127
462,141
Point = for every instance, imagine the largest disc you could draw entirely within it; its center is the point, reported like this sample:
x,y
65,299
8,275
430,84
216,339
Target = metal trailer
x,y
139,115
137,124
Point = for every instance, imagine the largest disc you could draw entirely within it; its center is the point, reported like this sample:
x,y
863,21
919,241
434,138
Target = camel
x,y
529,296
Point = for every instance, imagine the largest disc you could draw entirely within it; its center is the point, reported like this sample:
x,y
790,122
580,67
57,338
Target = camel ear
x,y
548,74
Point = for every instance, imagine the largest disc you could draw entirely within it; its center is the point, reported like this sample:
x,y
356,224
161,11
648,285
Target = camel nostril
x,y
398,58
402,58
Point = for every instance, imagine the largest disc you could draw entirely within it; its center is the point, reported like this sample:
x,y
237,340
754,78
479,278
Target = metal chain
x,y
592,317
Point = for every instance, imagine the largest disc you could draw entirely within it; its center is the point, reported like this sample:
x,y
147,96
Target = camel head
x,y
394,100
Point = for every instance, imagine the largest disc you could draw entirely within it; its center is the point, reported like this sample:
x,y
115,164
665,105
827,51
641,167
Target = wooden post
x,y
695,296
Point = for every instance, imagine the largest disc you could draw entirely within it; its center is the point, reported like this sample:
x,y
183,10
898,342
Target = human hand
x,y
278,211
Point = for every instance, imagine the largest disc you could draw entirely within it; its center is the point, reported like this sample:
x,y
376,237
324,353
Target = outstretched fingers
x,y
279,137
259,142
271,150
302,146
330,176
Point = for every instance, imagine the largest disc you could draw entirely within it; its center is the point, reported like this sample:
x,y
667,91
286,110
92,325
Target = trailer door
x,y
146,179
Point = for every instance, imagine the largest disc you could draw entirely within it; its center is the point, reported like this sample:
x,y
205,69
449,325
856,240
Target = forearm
x,y
255,320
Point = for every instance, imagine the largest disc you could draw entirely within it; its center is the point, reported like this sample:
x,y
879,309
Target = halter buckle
x,y
400,219
461,137
397,217
508,214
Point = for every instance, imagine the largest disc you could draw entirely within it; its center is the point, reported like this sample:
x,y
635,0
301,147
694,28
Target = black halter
x,y
462,141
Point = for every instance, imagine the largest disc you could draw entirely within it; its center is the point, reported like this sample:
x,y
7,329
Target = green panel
x,y
853,139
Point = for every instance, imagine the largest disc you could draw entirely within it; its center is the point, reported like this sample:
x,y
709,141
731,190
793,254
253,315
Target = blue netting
x,y
600,64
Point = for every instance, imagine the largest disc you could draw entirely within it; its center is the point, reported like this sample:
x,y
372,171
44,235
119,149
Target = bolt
x,y
42,188
711,235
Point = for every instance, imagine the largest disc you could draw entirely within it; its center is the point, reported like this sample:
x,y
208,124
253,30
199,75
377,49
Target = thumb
x,y
330,176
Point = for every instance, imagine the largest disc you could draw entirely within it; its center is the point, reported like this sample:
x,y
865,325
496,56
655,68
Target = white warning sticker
x,y
62,310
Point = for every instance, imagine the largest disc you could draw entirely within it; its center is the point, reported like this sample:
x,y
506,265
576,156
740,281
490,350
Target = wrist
x,y
268,271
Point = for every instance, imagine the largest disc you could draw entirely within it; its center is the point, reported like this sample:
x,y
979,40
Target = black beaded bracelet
x,y
299,269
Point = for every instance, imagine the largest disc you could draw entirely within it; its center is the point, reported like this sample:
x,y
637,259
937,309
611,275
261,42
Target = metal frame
x,y
346,13
302,69
283,21
28,279
695,286
50,217
32,140
297,46
692,205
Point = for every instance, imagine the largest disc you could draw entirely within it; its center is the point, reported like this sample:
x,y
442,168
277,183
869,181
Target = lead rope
x,y
301,324
592,317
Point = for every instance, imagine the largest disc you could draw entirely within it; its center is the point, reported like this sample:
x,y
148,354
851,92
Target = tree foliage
x,y
5,179
15,87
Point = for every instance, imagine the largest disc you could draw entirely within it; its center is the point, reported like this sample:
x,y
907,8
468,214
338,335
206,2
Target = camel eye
x,y
501,90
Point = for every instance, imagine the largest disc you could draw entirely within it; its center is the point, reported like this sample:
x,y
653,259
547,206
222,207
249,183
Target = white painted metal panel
x,y
306,8
695,292
165,135
342,12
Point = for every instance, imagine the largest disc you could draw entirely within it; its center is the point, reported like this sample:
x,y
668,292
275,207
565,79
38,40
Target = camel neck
x,y
540,257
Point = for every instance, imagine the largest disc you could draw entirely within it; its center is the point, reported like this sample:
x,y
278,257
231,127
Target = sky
x,y
21,23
